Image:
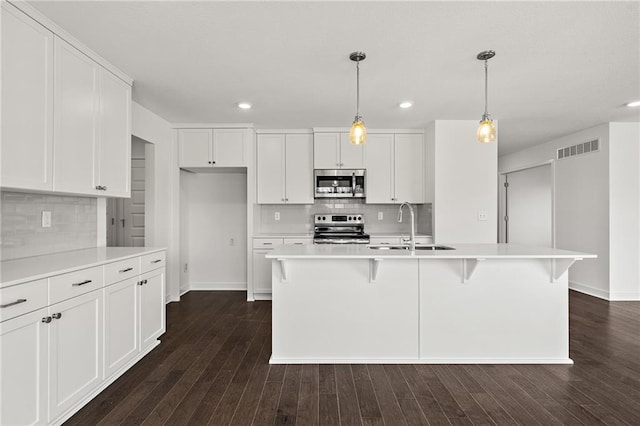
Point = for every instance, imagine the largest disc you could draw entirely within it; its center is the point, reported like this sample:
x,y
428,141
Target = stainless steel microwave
x,y
339,183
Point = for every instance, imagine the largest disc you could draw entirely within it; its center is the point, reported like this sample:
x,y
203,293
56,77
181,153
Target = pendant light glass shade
x,y
487,129
358,133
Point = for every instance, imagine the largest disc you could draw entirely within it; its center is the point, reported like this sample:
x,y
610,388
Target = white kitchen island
x,y
478,303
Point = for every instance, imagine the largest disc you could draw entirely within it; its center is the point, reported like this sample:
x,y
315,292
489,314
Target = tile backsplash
x,y
298,219
73,224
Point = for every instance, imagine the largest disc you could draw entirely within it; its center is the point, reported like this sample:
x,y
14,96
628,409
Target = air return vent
x,y
579,149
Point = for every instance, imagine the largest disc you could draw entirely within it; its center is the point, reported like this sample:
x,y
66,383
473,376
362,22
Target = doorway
x,y
527,206
126,216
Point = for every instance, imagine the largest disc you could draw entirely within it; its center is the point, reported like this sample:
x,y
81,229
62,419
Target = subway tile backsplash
x,y
73,224
298,219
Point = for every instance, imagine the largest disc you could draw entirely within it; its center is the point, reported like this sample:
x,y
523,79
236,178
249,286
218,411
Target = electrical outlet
x,y
380,215
232,241
482,215
46,219
276,216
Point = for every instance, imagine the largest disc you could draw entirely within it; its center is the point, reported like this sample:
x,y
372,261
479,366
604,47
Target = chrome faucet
x,y
412,240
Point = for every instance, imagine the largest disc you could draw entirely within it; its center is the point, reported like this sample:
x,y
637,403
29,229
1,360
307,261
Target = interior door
x,y
529,207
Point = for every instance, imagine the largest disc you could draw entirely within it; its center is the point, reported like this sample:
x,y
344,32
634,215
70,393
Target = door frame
x,y
501,197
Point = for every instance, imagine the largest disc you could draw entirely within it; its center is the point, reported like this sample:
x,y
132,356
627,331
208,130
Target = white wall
x,y
624,211
162,196
462,181
581,203
216,214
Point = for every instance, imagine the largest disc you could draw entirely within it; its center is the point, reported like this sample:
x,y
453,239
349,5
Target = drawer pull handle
x,y
82,283
125,270
156,261
56,316
17,302
267,244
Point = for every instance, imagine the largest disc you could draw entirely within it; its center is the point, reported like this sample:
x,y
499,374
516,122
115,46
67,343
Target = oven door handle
x,y
353,184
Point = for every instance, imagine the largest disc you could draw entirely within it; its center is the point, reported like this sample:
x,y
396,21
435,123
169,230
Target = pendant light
x,y
486,129
358,133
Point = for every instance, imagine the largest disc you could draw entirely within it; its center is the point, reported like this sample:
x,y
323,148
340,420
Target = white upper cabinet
x,y
194,146
409,163
27,102
229,147
395,168
334,151
212,147
285,168
270,172
66,120
114,142
92,130
379,164
76,126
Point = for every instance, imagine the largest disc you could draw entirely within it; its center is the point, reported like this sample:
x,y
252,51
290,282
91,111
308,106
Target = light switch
x,y
276,216
380,215
46,219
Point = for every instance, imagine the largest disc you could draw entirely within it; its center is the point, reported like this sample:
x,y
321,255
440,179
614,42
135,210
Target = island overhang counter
x,y
476,303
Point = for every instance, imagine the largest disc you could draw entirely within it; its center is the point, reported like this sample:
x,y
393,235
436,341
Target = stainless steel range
x,y
339,229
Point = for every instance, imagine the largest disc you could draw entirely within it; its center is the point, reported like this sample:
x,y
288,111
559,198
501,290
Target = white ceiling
x,y
559,67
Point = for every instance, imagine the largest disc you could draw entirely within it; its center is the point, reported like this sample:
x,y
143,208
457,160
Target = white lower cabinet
x,y
75,350
54,357
23,369
120,324
261,271
152,307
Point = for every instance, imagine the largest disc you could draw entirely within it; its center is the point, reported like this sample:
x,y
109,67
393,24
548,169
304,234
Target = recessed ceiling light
x,y
244,105
633,104
406,104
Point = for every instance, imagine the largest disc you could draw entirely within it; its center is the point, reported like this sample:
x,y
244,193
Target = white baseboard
x,y
262,296
624,296
203,286
591,291
273,360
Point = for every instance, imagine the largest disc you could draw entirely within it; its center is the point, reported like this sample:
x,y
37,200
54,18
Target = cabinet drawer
x,y
118,271
152,261
22,298
267,242
304,241
66,286
384,240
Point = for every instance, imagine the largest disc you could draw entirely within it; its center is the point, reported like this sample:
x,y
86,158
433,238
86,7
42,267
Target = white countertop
x,y
34,268
462,251
375,234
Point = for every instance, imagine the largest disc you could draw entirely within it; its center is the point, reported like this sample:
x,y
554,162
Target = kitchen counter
x,y
17,271
479,303
461,251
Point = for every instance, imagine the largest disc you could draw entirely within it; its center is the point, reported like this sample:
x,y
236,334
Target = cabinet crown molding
x,y
369,131
212,125
43,20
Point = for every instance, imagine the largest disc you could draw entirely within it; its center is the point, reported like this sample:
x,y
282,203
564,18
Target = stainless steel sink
x,y
388,247
434,247
405,247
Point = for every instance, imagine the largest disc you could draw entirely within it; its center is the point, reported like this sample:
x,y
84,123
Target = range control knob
x,y
359,217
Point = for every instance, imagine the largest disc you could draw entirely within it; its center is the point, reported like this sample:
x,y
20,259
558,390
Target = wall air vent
x,y
579,149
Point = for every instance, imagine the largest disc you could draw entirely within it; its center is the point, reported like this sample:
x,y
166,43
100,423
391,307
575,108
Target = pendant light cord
x,y
358,91
486,87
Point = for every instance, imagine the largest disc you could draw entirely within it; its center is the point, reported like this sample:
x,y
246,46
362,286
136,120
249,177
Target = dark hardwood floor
x,y
212,368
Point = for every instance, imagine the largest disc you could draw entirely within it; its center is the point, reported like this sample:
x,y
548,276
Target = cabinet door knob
x,y
140,282
57,315
46,320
